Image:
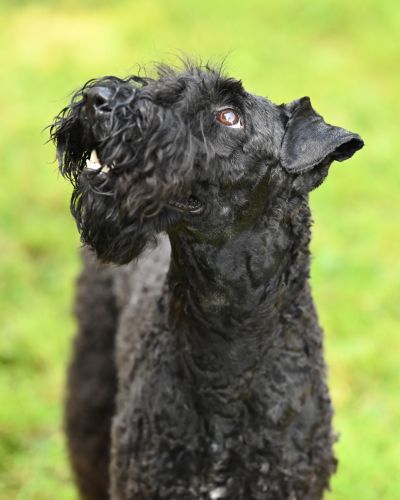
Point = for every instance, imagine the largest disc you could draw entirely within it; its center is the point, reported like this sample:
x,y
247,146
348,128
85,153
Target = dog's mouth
x,y
189,204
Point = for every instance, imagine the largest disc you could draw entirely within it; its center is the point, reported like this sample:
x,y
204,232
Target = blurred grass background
x,y
346,56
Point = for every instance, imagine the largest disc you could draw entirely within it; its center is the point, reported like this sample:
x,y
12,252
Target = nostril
x,y
98,99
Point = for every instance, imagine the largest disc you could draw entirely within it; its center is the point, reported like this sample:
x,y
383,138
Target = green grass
x,y
345,55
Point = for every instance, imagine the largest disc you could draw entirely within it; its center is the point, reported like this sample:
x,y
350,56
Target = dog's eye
x,y
229,117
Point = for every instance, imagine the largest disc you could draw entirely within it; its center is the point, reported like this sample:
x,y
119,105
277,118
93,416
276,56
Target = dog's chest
x,y
165,442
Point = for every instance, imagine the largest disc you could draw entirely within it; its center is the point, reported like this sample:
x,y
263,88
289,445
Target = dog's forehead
x,y
196,84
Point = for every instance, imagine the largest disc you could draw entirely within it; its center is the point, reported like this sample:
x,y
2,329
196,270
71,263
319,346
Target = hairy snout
x,y
131,159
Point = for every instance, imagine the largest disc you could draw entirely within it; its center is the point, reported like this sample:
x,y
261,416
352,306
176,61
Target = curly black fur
x,y
218,353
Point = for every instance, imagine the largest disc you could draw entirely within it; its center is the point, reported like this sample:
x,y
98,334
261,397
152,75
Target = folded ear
x,y
309,142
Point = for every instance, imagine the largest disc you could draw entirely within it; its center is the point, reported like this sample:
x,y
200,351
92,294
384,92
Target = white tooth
x,y
92,166
94,158
94,163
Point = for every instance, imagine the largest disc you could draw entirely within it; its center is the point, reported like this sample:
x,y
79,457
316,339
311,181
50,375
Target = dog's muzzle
x,y
99,102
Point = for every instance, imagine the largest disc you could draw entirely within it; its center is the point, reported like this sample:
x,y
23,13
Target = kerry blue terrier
x,y
198,369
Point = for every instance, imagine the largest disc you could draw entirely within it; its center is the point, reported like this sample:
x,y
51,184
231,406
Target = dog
x,y
198,368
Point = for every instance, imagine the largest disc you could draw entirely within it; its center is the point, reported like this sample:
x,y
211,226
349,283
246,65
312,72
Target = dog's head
x,y
188,149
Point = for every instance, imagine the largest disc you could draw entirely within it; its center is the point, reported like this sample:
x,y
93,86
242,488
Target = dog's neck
x,y
228,298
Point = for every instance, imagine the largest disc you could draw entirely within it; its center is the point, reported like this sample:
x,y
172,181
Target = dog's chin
x,y
189,204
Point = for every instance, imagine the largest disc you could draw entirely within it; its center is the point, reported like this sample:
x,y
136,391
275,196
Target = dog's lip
x,y
189,204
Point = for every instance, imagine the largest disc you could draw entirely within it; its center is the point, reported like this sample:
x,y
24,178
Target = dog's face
x,y
190,150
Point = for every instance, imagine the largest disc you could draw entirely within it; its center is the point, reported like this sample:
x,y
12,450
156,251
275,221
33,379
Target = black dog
x,y
198,375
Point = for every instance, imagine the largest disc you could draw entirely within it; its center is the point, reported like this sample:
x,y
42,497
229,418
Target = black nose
x,y
98,99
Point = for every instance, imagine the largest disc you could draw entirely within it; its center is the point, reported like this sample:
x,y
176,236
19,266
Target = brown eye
x,y
230,118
